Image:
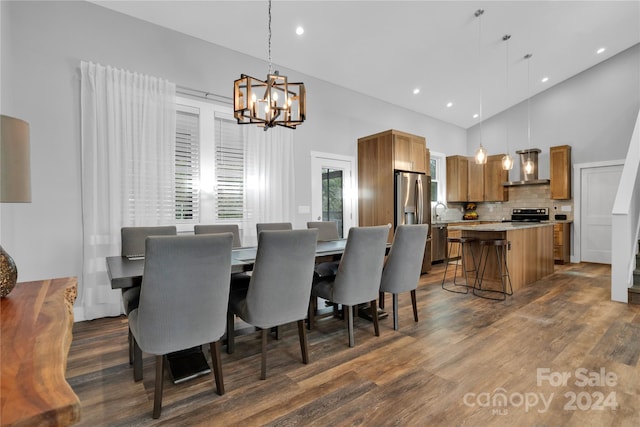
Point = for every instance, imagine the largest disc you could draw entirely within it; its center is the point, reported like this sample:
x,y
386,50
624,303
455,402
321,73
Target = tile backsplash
x,y
523,196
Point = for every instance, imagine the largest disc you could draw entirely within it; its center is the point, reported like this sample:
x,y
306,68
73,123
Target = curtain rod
x,y
183,90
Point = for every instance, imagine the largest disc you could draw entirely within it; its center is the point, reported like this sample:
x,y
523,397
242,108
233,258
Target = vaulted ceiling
x,y
386,49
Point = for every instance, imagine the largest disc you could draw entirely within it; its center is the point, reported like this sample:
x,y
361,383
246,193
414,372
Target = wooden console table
x,y
37,319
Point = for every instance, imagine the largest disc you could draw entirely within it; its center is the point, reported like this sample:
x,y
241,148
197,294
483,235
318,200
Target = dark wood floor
x,y
450,368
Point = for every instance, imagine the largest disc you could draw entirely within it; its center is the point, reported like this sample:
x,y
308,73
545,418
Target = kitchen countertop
x,y
500,226
478,221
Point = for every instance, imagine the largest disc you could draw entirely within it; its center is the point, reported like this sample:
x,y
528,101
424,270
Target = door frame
x,y
350,192
578,168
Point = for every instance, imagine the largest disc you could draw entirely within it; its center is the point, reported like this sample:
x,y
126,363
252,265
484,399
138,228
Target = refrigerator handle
x,y
419,201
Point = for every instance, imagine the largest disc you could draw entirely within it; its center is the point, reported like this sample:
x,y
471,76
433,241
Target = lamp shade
x,y
15,170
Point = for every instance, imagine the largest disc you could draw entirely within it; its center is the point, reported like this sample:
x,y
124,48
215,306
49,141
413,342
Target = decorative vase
x,y
8,273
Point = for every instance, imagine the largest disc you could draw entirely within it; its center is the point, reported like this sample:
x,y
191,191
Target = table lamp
x,y
15,184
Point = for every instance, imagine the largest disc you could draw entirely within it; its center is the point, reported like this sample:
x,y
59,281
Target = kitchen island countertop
x,y
500,226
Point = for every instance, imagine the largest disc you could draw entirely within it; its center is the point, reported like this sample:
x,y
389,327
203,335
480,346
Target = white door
x,y
598,191
332,190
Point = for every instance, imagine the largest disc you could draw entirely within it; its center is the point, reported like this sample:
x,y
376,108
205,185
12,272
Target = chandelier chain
x,y
270,66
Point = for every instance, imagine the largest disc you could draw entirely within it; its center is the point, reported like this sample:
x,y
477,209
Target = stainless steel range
x,y
529,215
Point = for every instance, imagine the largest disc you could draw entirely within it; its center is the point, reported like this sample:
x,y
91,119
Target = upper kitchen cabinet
x,y
409,151
560,171
457,179
470,182
494,178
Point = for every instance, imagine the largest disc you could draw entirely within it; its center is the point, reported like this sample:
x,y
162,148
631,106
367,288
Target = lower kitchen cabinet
x,y
562,242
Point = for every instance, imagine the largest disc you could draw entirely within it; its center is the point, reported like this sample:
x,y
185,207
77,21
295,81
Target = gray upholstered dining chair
x,y
327,230
262,226
358,278
279,289
188,277
238,280
132,241
220,228
401,272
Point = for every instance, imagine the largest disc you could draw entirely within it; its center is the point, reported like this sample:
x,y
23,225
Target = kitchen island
x,y
529,254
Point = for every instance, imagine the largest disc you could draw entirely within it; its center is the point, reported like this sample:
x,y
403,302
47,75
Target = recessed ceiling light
x,y
476,115
449,104
299,31
599,51
545,79
416,91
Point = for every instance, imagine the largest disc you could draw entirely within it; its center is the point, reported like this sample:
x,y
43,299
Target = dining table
x,y
127,272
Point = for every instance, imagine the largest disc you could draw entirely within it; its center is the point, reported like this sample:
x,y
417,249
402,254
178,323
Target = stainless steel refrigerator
x,y
413,205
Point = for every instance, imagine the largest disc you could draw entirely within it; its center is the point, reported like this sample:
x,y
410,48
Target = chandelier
x,y
269,103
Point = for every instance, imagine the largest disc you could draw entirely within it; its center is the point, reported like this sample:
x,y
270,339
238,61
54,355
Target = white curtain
x,y
128,163
269,178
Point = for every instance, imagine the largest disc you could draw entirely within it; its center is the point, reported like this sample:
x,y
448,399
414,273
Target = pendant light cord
x,y
270,66
506,38
479,14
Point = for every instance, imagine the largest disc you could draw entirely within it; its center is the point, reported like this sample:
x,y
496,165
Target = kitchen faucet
x,y
435,209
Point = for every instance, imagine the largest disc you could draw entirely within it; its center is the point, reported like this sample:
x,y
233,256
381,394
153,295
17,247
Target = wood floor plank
x,y
450,368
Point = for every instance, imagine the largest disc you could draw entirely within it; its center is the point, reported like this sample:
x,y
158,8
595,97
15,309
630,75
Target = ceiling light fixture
x,y
545,79
299,31
507,160
476,115
481,152
269,103
599,51
416,91
529,166
449,104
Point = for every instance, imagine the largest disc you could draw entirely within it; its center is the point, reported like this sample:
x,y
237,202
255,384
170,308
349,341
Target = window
x,y
229,170
210,163
437,177
187,157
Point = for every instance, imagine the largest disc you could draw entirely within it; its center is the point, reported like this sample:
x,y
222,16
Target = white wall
x,y
594,112
42,45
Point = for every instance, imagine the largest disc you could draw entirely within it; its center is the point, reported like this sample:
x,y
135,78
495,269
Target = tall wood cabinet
x,y
560,171
470,182
378,156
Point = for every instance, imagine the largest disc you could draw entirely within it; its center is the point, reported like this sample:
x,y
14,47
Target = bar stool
x,y
461,242
501,246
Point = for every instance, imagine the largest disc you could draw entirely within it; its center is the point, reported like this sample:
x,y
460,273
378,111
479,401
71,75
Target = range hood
x,y
528,178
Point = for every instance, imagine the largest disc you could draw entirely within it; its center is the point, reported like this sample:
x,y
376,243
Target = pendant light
x,y
507,160
529,165
481,152
269,103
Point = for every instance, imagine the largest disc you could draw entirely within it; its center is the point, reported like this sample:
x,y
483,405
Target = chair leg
x,y
137,361
395,311
304,346
157,397
130,348
381,300
374,314
263,370
414,304
230,332
217,366
313,305
349,312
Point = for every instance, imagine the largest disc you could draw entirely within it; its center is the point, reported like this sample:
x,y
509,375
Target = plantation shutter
x,y
230,159
187,166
